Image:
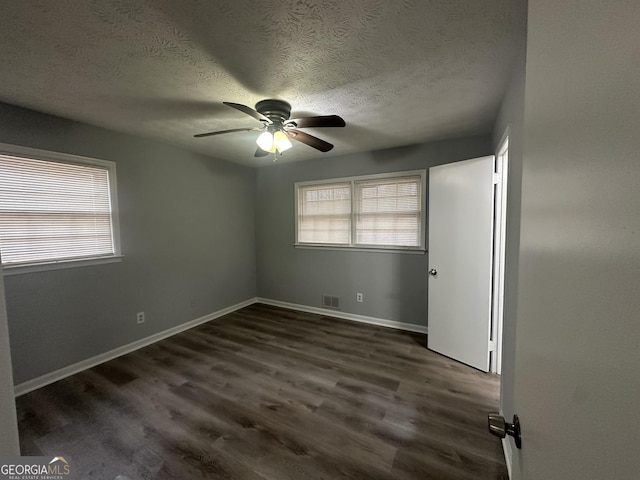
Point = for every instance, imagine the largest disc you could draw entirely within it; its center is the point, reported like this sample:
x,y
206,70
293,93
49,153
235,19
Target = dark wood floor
x,y
268,393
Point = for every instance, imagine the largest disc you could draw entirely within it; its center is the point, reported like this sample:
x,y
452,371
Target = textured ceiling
x,y
398,71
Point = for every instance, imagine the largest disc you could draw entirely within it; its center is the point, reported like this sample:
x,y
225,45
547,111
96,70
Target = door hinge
x,y
497,178
492,345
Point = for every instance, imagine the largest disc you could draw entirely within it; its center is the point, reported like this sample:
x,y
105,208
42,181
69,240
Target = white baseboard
x,y
346,316
51,377
67,371
506,448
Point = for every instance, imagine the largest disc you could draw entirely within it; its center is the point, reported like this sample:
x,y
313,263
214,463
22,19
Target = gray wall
x,y
511,115
188,237
8,423
578,331
394,284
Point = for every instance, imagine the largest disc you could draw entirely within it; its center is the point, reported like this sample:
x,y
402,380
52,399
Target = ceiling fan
x,y
279,128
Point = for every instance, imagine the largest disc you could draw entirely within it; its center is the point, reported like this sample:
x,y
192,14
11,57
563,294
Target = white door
x,y
460,260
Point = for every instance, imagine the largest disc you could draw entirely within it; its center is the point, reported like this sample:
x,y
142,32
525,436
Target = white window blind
x,y
373,211
388,211
53,211
324,214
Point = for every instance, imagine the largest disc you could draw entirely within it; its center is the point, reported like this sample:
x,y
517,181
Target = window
x,y
55,208
325,214
373,211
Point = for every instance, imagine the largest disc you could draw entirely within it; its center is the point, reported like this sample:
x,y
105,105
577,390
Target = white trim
x,y
9,270
410,250
499,252
358,178
67,371
48,155
411,327
506,448
78,367
505,135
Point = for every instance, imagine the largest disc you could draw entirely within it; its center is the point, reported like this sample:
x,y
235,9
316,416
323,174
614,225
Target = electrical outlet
x,y
140,317
359,297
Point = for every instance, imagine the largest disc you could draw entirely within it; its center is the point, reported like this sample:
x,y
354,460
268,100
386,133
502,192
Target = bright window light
x,y
54,211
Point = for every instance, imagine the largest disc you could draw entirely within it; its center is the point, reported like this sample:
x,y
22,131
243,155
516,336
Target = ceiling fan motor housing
x,y
274,115
278,111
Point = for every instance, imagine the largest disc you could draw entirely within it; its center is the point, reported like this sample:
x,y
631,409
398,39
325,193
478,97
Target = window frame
x,y
352,180
29,153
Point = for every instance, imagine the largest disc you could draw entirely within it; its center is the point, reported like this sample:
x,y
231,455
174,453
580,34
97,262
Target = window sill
x,y
412,251
9,270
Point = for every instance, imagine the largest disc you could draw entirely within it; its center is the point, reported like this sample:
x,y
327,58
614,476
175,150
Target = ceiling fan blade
x,y
248,111
208,134
310,140
260,153
319,121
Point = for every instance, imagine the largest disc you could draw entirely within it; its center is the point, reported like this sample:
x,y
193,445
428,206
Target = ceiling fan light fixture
x,y
278,128
281,141
272,142
265,142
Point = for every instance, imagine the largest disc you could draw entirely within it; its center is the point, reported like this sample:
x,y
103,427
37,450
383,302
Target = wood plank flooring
x,y
273,394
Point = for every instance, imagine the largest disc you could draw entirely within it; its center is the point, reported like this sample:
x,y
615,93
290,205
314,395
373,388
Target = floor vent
x,y
330,302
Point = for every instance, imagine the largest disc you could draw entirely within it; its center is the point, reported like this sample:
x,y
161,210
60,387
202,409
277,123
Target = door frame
x,y
499,248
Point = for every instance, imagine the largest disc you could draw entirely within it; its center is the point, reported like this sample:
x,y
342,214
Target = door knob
x,y
499,427
433,272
